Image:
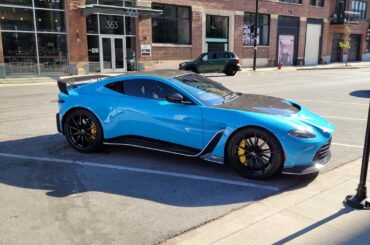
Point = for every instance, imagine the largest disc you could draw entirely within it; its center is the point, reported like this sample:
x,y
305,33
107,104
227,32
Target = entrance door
x,y
112,55
286,50
336,50
312,49
354,50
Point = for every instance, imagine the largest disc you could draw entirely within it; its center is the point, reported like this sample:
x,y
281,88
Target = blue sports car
x,y
191,115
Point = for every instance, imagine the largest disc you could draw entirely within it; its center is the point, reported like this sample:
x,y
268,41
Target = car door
x,y
143,111
206,63
220,62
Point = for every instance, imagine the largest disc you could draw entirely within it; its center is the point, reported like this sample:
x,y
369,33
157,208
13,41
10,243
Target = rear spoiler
x,y
64,82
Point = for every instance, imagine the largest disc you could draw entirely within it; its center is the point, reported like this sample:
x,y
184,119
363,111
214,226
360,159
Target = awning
x,y
142,12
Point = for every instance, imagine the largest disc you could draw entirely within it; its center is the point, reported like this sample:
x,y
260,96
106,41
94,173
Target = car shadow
x,y
70,177
361,93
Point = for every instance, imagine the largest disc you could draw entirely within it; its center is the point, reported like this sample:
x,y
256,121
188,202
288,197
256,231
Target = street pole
x,y
358,201
255,37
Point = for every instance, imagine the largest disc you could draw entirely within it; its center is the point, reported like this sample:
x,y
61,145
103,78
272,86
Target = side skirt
x,y
162,146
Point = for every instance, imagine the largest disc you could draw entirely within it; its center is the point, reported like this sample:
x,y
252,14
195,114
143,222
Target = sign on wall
x,y
146,50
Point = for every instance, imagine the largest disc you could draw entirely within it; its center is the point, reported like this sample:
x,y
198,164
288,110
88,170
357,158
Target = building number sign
x,y
113,25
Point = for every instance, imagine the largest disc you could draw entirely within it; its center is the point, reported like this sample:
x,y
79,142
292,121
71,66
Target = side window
x,y
221,55
116,86
146,88
205,57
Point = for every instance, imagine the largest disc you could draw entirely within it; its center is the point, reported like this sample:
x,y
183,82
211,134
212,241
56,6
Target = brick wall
x,y
172,53
301,41
238,35
197,34
77,38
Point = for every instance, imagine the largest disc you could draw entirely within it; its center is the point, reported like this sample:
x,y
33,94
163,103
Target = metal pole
x,y
255,37
357,201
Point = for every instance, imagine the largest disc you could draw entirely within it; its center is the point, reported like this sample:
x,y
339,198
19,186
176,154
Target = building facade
x,y
92,36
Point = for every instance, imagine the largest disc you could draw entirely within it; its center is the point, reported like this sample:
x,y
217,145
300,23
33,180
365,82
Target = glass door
x,y
112,55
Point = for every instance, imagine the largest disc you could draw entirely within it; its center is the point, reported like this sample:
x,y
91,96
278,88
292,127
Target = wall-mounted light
x,y
78,35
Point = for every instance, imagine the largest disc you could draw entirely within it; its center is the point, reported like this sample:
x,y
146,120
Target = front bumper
x,y
313,168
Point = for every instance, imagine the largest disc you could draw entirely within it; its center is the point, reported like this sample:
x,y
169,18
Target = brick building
x,y
82,36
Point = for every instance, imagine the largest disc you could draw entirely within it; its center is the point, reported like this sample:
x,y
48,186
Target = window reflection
x,y
53,4
93,53
19,52
18,19
131,53
52,21
52,52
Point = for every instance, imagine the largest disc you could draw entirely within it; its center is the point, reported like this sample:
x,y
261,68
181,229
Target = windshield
x,y
204,89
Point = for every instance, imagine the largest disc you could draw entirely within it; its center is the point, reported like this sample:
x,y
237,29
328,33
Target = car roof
x,y
168,74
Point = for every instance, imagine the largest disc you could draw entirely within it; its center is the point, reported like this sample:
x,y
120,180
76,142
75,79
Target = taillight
x,y
237,61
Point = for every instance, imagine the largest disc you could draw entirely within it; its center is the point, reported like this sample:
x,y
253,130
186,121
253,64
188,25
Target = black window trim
x,y
186,97
177,18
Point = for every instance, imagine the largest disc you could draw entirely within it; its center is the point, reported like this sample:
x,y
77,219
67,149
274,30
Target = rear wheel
x,y
83,131
255,153
230,71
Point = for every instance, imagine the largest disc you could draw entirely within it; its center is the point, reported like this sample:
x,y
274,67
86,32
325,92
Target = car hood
x,y
261,104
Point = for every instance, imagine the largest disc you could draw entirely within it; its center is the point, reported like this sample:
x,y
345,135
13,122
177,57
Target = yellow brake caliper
x,y
241,153
93,130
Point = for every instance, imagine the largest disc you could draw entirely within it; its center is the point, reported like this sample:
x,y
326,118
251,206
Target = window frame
x,y
252,23
355,7
161,20
186,98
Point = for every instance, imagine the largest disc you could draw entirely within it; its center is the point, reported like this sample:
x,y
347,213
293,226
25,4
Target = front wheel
x,y
83,131
255,153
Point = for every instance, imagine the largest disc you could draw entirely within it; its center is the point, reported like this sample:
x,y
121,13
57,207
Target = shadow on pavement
x,y
63,179
361,93
343,211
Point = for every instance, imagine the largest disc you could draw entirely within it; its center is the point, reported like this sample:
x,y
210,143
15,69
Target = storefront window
x,y
93,53
173,26
52,4
111,24
263,29
92,24
19,52
20,43
52,21
131,54
17,2
52,52
130,26
217,26
18,19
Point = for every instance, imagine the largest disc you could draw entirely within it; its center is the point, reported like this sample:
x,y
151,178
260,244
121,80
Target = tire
x,y
230,71
83,131
255,154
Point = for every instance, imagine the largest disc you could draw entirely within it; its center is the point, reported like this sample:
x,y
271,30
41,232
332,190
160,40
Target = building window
x,y
18,19
173,26
292,1
217,26
263,29
359,7
319,3
21,39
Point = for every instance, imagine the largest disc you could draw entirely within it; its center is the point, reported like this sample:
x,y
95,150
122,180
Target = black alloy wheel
x,y
255,154
83,131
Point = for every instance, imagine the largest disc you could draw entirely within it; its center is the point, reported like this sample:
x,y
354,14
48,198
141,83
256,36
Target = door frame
x,y
113,53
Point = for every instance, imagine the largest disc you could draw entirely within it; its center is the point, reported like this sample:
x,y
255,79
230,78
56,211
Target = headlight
x,y
301,133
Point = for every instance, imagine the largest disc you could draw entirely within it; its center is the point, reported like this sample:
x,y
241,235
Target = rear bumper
x,y
239,67
58,123
313,168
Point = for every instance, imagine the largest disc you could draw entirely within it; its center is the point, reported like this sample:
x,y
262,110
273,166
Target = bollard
x,y
358,200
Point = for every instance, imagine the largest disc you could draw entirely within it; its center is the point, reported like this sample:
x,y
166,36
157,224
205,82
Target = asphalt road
x,y
52,194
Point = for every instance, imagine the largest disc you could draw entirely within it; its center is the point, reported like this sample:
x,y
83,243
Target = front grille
x,y
323,151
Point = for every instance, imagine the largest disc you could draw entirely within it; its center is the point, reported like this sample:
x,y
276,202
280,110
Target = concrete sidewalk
x,y
331,66
314,214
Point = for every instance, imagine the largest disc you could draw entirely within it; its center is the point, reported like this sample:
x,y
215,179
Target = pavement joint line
x,y
141,170
348,145
333,102
345,118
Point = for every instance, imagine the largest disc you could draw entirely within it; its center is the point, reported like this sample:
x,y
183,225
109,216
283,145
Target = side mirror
x,y
175,98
